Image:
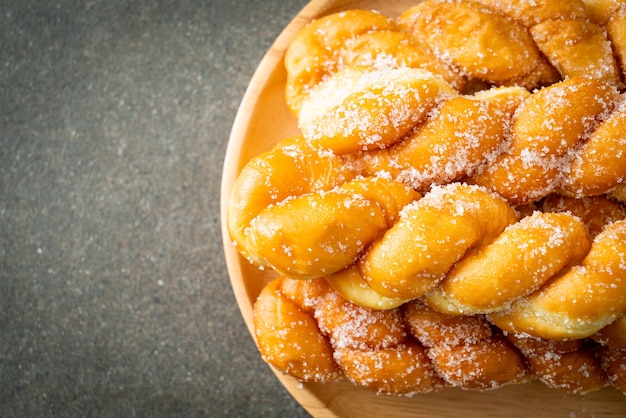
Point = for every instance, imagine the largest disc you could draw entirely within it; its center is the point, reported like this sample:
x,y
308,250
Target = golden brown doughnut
x,y
581,301
570,366
466,35
518,262
545,129
390,110
464,349
358,108
415,254
373,348
314,52
291,168
316,234
289,338
461,135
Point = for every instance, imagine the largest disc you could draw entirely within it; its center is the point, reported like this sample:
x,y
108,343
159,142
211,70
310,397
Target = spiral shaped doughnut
x,y
581,301
518,262
415,254
464,349
461,135
570,366
545,130
466,34
359,109
598,165
288,337
565,34
339,225
290,169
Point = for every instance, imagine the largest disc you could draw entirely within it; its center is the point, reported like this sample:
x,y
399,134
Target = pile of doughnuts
x,y
452,212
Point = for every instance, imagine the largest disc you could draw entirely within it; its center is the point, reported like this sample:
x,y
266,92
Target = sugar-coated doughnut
x,y
452,211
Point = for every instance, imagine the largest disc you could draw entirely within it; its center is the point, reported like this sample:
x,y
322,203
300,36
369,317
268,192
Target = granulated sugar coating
x,y
460,174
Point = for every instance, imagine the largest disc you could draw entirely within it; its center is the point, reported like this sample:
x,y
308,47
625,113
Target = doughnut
x,y
433,233
464,349
290,168
348,218
518,262
451,212
289,338
570,366
545,129
359,109
581,301
462,134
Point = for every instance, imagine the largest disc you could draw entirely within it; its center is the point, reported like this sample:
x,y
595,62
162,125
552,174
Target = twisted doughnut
x,y
570,366
359,109
581,301
460,136
545,131
465,34
517,263
464,349
353,38
289,338
379,129
414,255
413,349
290,168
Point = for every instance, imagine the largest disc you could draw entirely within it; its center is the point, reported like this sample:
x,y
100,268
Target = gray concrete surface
x,y
114,296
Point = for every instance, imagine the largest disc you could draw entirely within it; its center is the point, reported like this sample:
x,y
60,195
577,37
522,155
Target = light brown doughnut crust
x,y
518,262
289,338
315,51
464,349
570,366
545,129
414,255
359,108
580,302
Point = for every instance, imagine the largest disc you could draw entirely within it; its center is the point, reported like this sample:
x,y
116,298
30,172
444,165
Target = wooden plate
x,y
262,120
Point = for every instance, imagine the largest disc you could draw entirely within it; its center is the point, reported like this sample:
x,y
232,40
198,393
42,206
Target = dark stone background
x,y
114,296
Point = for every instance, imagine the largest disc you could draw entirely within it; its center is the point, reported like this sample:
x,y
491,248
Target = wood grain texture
x,y
262,120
